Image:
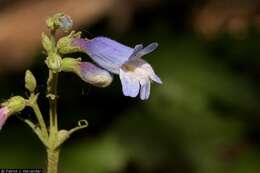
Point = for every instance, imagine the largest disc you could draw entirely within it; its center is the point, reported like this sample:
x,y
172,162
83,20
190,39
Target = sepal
x,y
65,44
14,104
53,61
46,43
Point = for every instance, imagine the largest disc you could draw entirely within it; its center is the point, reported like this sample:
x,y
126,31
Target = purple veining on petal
x,y
92,74
108,53
3,116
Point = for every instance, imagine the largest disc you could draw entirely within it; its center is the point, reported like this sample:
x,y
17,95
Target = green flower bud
x,y
54,62
15,104
65,44
30,81
59,21
46,43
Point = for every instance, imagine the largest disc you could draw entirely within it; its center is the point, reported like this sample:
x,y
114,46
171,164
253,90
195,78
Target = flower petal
x,y
138,47
139,51
108,53
3,116
156,79
94,75
130,84
145,89
148,49
147,67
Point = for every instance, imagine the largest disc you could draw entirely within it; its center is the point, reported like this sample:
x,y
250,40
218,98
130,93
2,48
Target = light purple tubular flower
x,y
92,74
135,73
3,116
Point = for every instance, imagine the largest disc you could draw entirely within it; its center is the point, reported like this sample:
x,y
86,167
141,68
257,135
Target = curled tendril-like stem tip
x,y
82,123
65,134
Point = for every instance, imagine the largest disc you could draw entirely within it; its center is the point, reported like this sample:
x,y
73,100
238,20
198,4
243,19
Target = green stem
x,y
40,119
52,95
53,153
53,159
52,85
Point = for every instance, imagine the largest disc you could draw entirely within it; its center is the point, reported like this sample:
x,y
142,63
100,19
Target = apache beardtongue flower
x,y
135,73
87,71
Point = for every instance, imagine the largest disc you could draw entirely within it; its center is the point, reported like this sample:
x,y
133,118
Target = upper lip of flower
x,y
107,53
140,51
110,54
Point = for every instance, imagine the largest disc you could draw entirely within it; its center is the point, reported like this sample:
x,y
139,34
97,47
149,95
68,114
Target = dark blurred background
x,y
205,117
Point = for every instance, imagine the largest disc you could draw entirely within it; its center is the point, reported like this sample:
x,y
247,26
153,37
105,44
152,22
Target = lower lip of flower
x,y
138,72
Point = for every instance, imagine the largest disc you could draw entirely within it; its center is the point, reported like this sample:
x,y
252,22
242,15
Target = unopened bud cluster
x,y
57,60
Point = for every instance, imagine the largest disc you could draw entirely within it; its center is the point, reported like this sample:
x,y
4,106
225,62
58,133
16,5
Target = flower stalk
x,y
34,105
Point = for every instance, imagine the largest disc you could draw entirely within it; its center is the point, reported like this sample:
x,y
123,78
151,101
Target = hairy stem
x,y
53,159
